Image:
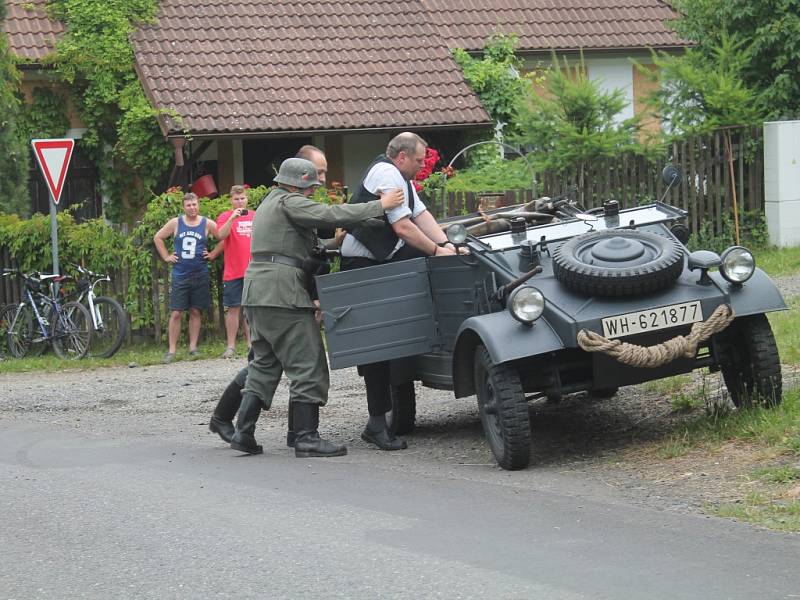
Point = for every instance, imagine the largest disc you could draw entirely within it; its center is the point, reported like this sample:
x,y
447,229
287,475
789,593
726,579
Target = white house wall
x,y
614,74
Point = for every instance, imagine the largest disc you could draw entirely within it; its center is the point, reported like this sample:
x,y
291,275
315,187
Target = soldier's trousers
x,y
286,340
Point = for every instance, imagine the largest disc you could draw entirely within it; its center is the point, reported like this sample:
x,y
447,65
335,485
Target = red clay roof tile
x,y
248,66
31,34
544,25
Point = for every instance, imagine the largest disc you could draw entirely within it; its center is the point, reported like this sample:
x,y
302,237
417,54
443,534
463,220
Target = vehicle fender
x,y
504,338
759,294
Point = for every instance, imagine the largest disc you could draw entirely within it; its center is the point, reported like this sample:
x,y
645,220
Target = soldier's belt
x,y
279,259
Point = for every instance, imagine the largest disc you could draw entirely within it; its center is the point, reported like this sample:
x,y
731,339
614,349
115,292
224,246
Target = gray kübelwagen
x,y
554,300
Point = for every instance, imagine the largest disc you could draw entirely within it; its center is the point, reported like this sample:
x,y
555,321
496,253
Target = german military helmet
x,y
297,172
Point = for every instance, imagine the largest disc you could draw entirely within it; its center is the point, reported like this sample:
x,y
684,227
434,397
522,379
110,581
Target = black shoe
x,y
291,436
384,439
247,444
222,427
307,443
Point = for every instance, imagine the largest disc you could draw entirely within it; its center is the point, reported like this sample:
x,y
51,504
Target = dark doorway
x,y
262,157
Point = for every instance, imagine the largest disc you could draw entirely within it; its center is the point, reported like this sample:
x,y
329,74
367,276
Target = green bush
x,y
752,233
494,176
105,249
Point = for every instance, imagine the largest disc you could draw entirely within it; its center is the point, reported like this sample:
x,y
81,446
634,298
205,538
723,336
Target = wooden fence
x,y
705,191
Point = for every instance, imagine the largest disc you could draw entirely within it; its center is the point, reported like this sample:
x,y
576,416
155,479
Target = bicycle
x,y
67,327
109,319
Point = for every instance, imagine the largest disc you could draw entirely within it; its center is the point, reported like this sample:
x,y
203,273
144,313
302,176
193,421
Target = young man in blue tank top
x,y
189,287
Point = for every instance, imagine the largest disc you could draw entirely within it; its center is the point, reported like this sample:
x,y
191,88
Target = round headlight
x,y
456,233
526,304
738,264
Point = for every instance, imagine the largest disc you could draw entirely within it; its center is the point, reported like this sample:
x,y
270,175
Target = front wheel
x,y
504,411
72,331
110,327
404,408
751,366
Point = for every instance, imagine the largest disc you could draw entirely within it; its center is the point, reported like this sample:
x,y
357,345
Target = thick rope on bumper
x,y
660,354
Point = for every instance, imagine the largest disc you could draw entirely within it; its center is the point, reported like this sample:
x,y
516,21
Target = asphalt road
x,y
130,513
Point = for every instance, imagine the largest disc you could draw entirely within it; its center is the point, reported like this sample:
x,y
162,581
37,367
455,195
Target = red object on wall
x,y
205,187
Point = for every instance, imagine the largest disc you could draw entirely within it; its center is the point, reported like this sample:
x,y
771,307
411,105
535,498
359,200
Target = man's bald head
x,y
316,156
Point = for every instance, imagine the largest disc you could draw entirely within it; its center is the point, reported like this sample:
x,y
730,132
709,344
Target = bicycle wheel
x,y
110,327
40,342
19,331
6,314
72,331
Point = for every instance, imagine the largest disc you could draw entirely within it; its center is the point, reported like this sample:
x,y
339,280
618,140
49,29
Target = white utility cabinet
x,y
782,182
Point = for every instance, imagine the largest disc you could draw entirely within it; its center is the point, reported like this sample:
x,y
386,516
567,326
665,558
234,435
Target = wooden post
x,y
729,155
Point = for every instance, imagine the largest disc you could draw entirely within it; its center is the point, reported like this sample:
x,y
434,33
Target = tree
x,y
495,78
13,145
573,121
705,90
769,32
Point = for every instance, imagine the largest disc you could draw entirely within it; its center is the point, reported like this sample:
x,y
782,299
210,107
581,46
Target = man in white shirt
x,y
408,231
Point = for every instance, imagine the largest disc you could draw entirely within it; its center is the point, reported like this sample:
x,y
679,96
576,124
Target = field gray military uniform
x,y
285,335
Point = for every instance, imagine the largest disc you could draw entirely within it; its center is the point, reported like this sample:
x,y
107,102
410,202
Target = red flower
x,y
431,158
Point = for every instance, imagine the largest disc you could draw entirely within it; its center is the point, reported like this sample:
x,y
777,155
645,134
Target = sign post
x,y
53,157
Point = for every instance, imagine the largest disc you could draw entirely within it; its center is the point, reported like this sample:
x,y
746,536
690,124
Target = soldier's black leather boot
x,y
243,439
222,419
308,443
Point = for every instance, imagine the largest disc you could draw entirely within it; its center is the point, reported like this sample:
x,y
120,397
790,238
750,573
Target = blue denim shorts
x,y
232,292
190,291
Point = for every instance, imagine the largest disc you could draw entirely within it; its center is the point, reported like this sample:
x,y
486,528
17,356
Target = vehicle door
x,y
378,313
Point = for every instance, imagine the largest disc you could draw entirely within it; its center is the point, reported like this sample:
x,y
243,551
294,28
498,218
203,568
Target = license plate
x,y
664,317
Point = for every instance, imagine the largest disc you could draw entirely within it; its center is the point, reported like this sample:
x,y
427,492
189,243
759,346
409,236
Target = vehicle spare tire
x,y
618,262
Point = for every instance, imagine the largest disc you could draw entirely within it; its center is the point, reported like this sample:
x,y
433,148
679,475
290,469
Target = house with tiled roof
x,y
261,77
243,83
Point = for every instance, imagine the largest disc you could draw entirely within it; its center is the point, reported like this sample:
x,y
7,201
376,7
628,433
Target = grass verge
x,y
774,499
140,355
786,327
778,262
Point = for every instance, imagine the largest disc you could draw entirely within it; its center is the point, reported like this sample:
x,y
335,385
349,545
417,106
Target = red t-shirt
x,y
237,244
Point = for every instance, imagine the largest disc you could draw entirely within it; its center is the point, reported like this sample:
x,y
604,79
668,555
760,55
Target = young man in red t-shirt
x,y
234,228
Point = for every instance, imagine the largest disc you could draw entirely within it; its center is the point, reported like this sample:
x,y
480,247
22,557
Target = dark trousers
x,y
377,375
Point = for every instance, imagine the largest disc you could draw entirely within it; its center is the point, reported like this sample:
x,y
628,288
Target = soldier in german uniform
x,y
284,330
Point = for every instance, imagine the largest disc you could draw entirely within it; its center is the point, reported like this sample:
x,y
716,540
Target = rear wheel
x,y
404,408
72,331
504,411
751,366
110,327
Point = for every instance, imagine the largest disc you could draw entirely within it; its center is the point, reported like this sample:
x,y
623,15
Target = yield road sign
x,y
53,157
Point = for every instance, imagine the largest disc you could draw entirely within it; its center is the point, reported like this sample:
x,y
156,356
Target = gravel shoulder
x,y
608,446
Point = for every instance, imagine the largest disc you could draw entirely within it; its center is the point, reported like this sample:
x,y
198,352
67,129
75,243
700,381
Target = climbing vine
x,y
123,139
45,116
13,147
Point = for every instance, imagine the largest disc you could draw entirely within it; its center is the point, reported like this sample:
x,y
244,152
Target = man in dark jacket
x,y
408,231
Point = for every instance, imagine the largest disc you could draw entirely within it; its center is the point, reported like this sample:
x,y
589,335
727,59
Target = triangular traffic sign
x,y
53,157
